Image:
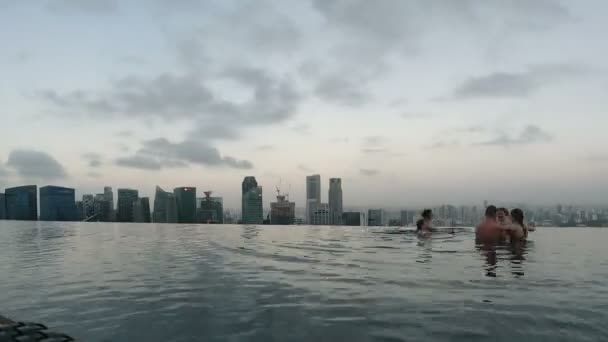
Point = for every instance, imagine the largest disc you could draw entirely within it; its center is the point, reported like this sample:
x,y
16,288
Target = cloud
x,y
531,134
516,84
35,165
124,133
369,172
339,89
413,116
374,150
187,96
305,168
94,174
265,148
86,6
3,171
373,140
161,153
597,158
301,128
93,159
442,144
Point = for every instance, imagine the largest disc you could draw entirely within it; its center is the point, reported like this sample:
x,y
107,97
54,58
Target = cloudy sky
x,y
410,102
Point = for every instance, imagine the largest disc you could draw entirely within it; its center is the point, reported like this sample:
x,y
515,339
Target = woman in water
x,y
517,231
423,226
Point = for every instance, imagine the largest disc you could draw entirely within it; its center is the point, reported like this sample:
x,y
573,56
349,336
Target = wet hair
x,y
419,225
518,216
491,211
504,210
427,214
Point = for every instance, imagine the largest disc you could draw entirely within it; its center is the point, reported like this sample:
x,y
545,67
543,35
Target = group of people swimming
x,y
499,226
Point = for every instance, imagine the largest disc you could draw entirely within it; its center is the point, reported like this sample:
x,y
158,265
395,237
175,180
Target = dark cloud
x,y
35,165
339,89
187,97
531,134
87,6
3,171
369,172
161,153
516,84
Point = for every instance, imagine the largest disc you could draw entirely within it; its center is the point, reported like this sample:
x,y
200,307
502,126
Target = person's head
x,y
491,212
502,214
518,216
427,214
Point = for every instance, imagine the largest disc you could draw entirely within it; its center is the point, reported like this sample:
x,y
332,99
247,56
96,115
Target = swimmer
x,y
502,216
489,231
518,230
423,226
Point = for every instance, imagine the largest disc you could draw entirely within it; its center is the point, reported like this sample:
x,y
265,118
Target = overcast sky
x,y
410,102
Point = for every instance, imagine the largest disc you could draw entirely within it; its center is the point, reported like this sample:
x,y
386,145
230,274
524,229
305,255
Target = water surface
x,y
146,282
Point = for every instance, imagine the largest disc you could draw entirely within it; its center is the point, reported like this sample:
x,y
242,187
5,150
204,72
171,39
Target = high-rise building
x,y
186,204
2,207
321,215
313,192
80,210
22,203
335,200
88,205
165,207
282,211
126,198
210,209
109,196
102,208
405,218
252,211
356,219
57,204
141,210
375,217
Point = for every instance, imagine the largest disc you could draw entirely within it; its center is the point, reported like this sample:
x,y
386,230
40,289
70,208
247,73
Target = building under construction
x,y
282,211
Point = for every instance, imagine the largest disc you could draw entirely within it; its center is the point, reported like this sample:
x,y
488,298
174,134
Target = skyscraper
x,y
335,200
186,204
405,218
2,207
109,196
57,204
210,209
88,205
375,217
321,215
79,210
165,207
22,203
313,195
126,198
141,210
102,208
282,211
252,211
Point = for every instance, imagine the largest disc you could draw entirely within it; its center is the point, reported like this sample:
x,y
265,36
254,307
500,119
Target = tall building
x,y
313,195
185,198
375,217
126,198
22,203
80,210
57,204
102,208
2,207
335,200
210,209
282,211
141,210
88,205
321,215
405,218
109,196
356,219
165,207
252,211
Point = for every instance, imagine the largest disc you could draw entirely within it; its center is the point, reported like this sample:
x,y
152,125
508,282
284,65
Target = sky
x,y
410,102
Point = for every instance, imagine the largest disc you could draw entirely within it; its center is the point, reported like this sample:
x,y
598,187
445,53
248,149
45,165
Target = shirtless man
x,y
489,231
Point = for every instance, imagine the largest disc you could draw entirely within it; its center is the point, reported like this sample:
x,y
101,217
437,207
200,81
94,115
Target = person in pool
x,y
502,216
517,230
423,226
489,231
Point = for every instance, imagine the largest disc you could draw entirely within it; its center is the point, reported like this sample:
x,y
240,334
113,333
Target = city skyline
x,y
410,102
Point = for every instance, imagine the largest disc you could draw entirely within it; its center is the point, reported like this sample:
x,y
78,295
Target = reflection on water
x,y
131,282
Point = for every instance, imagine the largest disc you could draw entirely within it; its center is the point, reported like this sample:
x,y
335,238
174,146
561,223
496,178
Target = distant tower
x,y
22,203
57,204
252,211
186,204
109,196
126,199
313,195
335,200
165,207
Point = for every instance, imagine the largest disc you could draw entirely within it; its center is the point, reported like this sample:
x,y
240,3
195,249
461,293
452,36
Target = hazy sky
x,y
410,102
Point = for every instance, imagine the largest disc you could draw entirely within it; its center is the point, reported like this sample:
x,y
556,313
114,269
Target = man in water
x,y
488,231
